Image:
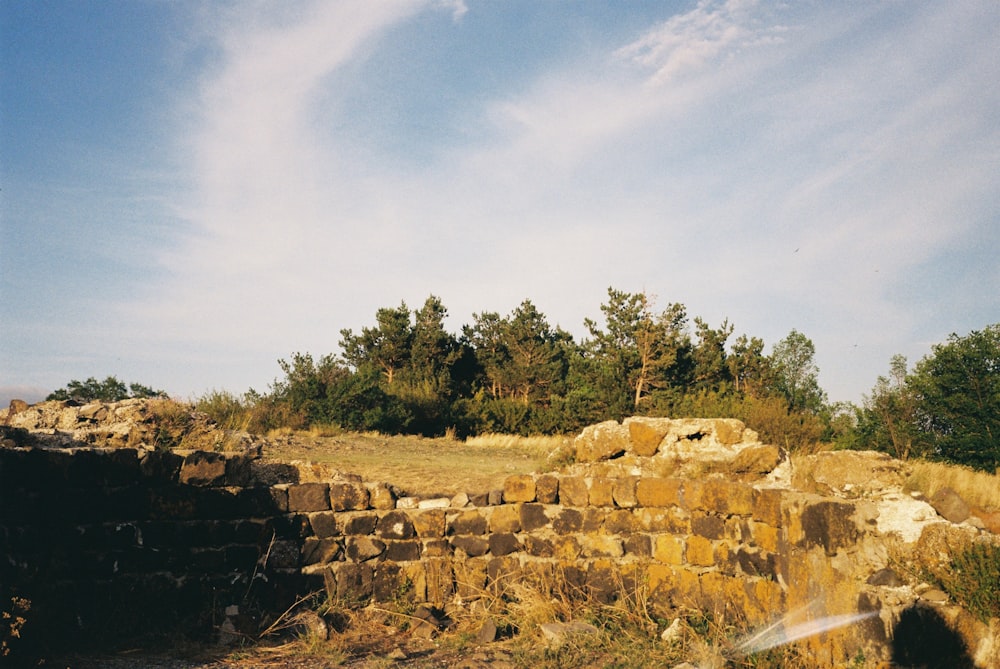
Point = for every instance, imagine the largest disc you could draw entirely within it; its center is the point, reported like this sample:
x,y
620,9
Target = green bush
x,y
973,579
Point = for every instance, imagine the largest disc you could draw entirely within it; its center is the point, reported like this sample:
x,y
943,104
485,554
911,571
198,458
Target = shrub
x,y
973,579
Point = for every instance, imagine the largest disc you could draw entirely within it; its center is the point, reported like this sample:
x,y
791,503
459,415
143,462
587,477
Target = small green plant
x,y
12,621
973,579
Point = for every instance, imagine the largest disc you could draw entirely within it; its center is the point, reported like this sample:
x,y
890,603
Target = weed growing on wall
x,y
12,621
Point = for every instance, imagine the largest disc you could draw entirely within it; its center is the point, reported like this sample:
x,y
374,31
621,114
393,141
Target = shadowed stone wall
x,y
124,542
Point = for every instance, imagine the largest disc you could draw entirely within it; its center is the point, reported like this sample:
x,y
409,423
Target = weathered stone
x,y
658,492
830,525
503,544
568,520
506,518
309,497
324,523
538,546
757,460
727,497
460,500
348,496
950,505
436,548
547,489
473,546
319,551
403,551
645,434
381,497
533,517
430,523
623,492
573,491
601,545
395,525
601,442
494,497
707,525
669,549
519,488
360,523
620,521
364,548
203,468
468,522
435,503
700,552
601,492
638,544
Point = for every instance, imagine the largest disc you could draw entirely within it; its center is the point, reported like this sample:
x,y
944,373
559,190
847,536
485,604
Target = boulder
x,y
603,441
950,505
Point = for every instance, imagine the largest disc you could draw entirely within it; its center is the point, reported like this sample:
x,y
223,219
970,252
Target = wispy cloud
x,y
780,167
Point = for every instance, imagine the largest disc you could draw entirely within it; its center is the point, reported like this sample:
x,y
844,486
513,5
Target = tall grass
x,y
977,488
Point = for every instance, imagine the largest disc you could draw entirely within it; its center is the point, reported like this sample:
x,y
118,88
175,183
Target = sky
x,y
191,191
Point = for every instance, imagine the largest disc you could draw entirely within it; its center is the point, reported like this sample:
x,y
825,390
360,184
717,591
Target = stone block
x,y
727,497
673,521
519,488
640,545
430,523
395,525
468,522
403,551
765,536
471,545
533,517
436,548
203,468
645,434
503,543
470,577
603,441
950,505
381,497
360,523
756,461
389,584
349,496
573,491
309,497
658,492
320,551
601,545
601,492
830,525
538,546
623,492
707,525
440,579
668,549
364,548
767,506
324,523
568,521
620,521
566,547
505,518
547,489
699,551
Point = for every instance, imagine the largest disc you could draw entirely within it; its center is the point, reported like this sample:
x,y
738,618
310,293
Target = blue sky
x,y
191,191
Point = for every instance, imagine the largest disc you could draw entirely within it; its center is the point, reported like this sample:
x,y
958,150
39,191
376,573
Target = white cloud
x,y
692,163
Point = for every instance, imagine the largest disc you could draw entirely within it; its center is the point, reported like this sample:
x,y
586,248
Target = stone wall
x,y
694,514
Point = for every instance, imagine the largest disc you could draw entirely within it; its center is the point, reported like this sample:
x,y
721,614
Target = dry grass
x,y
977,488
423,467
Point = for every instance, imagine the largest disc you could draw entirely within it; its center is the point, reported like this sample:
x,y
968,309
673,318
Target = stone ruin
x,y
104,529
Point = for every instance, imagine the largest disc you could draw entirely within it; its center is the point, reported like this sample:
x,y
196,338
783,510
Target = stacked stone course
x,y
128,541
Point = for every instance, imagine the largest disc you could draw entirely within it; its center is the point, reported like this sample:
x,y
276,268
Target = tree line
x,y
516,373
